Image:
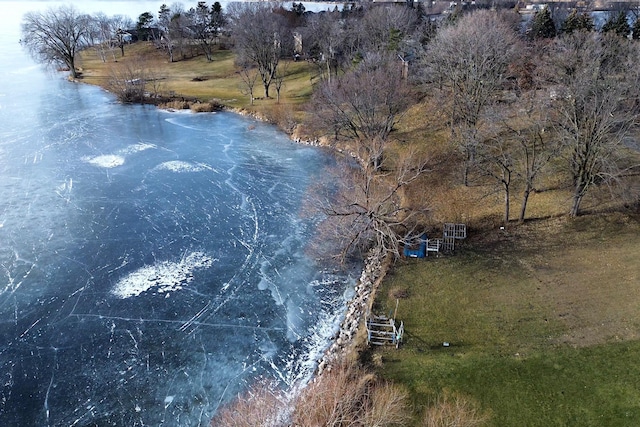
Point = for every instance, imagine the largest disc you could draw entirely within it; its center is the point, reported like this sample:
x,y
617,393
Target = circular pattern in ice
x,y
105,161
164,276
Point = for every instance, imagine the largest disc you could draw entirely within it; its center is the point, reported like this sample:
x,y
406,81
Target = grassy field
x,y
195,77
543,323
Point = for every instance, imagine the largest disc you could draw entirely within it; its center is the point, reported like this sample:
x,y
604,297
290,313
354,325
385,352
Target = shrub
x,y
258,407
454,411
343,397
350,397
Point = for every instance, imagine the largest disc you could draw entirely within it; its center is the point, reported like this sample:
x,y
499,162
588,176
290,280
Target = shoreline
x,y
345,341
376,265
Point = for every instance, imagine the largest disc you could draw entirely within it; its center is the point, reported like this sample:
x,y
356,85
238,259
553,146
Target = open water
x,y
152,264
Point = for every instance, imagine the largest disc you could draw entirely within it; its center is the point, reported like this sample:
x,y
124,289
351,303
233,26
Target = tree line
x,y
519,99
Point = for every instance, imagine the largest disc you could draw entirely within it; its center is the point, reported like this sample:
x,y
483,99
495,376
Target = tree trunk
x,y
72,68
465,174
575,208
328,71
525,200
506,204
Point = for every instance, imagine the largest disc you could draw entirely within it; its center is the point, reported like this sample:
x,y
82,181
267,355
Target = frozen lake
x,y
152,264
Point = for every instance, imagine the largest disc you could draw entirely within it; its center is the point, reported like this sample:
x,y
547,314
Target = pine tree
x,y
577,22
617,24
636,30
542,26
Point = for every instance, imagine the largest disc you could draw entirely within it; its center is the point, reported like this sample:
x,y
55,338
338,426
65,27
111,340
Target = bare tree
x,y
281,73
261,37
107,33
164,25
364,106
520,147
322,43
596,105
120,37
249,75
495,159
466,64
128,80
534,147
56,35
180,29
382,28
173,23
366,208
99,34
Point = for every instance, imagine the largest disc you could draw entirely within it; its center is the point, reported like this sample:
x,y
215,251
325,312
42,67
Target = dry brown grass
x,y
261,406
346,396
195,77
454,411
349,397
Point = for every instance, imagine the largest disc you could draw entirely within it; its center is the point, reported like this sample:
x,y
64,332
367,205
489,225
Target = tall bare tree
x,y
249,75
382,28
596,105
99,34
261,37
56,35
367,208
465,65
173,23
322,42
364,105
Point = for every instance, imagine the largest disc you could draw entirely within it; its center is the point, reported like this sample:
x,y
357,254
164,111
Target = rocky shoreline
x,y
344,342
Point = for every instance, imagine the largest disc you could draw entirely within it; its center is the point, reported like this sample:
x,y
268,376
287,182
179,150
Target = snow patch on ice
x,y
136,148
180,166
164,276
105,161
118,159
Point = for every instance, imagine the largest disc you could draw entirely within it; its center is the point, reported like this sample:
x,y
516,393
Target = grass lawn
x,y
543,324
198,78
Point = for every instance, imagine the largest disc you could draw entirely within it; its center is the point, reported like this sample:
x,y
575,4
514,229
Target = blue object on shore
x,y
418,250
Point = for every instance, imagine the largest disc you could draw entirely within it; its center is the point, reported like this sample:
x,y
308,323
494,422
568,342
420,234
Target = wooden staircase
x,y
383,331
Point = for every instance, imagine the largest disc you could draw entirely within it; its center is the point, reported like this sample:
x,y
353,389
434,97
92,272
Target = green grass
x,y
595,386
543,324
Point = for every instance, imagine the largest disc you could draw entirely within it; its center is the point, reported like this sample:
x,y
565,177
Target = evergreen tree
x,y
577,22
542,26
617,24
636,30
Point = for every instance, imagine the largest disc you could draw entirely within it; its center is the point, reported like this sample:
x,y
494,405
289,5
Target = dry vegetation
x,y
198,79
344,397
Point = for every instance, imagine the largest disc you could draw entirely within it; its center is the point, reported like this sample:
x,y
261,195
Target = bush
x,y
343,397
454,411
258,407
